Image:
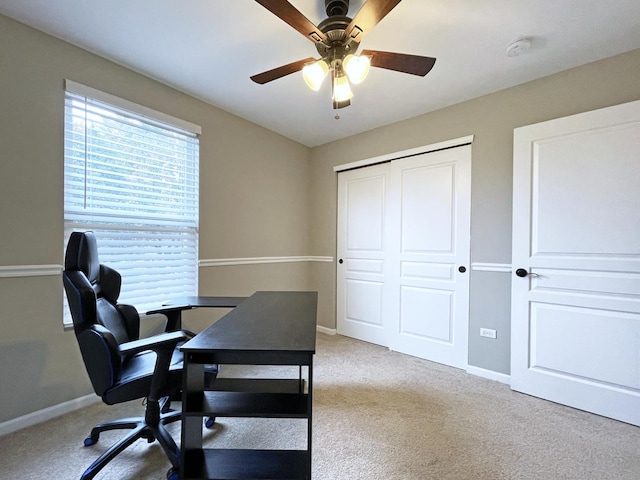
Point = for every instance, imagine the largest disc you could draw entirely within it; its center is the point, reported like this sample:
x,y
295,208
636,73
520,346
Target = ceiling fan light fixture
x,y
337,39
356,67
314,73
341,89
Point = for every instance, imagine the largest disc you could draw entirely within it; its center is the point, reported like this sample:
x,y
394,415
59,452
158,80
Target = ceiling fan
x,y
337,39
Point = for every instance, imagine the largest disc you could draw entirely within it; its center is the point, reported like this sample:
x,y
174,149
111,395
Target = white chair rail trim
x,y
491,267
9,271
13,271
223,262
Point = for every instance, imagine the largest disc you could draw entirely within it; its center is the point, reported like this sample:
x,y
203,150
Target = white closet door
x,y
429,255
362,271
576,251
403,250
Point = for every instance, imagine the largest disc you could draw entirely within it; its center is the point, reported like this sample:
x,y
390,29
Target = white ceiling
x,y
210,48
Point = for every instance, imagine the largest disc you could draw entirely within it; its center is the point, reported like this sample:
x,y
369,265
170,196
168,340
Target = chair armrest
x,y
162,342
163,345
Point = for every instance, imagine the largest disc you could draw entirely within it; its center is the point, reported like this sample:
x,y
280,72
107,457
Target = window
x,y
131,176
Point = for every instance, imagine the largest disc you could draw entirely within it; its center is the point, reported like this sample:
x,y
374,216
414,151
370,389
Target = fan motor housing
x,y
337,45
336,7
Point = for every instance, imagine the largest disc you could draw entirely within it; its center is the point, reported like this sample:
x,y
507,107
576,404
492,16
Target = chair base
x,y
151,427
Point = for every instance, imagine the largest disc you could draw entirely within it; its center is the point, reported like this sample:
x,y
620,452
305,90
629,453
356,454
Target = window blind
x,y
133,180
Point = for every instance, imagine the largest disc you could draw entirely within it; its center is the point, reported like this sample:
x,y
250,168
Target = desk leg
x,y
193,384
310,419
191,433
174,320
300,380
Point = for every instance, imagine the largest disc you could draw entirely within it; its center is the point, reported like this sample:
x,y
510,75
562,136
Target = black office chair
x,y
121,366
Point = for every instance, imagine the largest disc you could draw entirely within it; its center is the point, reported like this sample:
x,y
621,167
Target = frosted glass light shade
x,y
314,74
341,89
357,68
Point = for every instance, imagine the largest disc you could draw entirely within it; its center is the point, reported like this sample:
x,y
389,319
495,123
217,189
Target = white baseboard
x,y
490,374
325,330
48,413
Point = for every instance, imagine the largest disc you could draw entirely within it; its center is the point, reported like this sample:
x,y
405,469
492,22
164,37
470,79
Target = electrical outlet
x,y
488,332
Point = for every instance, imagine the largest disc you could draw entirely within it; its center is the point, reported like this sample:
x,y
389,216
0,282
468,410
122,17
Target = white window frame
x,y
168,266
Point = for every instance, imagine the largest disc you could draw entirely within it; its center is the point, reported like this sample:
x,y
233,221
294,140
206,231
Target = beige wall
x,y
254,203
261,195
491,119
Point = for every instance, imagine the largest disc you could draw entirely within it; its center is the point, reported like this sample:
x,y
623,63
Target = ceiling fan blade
x,y
368,17
400,62
292,16
280,72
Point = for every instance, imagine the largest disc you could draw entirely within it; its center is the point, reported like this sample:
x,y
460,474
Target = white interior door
x,y
429,255
362,270
576,243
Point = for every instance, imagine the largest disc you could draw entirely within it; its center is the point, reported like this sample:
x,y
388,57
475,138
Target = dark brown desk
x,y
269,328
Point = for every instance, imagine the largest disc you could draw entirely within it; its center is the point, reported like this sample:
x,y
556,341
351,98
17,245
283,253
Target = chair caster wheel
x,y
209,422
173,474
90,441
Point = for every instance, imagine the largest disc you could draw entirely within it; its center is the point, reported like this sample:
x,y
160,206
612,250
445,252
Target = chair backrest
x,y
99,322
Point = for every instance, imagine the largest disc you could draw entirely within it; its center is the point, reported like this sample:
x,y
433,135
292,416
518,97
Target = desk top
x,y
265,322
189,302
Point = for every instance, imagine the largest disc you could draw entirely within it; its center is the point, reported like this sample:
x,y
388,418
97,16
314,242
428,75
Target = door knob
x,y
521,272
462,269
340,261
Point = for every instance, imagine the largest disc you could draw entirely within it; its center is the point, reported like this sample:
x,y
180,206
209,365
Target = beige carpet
x,y
378,415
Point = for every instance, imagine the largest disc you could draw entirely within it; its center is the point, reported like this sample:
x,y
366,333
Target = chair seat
x,y
137,373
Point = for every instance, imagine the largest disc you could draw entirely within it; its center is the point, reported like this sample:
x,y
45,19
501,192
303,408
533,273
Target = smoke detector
x,y
518,47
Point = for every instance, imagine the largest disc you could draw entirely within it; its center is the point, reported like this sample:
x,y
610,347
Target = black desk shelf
x,y
242,404
270,328
236,464
259,385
